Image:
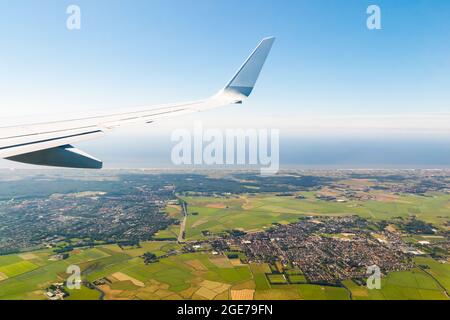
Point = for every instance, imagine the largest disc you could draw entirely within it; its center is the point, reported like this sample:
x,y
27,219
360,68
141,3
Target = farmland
x,y
195,276
257,212
186,276
246,237
405,285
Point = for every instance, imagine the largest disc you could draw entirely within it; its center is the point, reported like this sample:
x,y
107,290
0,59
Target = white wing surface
x,y
50,143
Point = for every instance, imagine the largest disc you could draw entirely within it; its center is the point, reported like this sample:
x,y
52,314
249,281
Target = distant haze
x,y
309,152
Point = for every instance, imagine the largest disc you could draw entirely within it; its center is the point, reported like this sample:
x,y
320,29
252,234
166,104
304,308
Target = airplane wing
x,y
50,143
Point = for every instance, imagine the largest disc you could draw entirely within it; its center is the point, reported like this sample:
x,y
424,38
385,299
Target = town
x,y
323,250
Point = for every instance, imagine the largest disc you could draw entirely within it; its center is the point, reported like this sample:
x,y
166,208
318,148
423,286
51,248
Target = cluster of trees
x,y
129,243
150,257
415,226
236,233
63,249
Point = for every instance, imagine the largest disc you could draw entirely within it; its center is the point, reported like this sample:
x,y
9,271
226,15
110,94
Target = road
x,y
182,234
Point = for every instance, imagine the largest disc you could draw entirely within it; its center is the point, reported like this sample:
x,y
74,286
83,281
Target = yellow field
x,y
221,262
3,276
206,293
197,265
124,277
210,289
245,294
28,256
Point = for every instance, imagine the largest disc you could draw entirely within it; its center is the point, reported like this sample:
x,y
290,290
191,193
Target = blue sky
x,y
145,52
325,63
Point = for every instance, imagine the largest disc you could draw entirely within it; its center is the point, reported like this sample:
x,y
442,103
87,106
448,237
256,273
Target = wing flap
x,y
63,156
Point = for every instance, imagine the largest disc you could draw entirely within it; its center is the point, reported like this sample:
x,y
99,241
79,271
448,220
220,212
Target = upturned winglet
x,y
245,79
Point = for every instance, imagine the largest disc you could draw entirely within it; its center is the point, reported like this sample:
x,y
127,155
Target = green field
x,y
17,268
404,285
259,272
178,276
277,279
315,292
256,212
439,271
31,284
197,276
297,278
84,294
173,211
170,233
